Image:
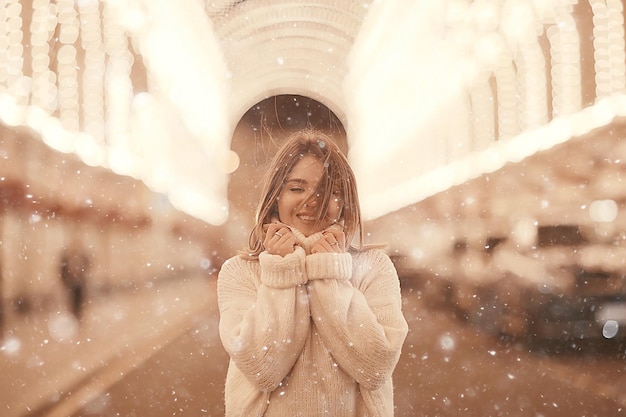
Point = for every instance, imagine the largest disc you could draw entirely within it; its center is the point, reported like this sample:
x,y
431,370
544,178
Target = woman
x,y
313,326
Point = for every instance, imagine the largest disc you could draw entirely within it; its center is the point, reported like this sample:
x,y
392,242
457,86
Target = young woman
x,y
313,325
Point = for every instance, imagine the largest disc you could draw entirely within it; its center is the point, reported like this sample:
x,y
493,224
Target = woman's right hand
x,y
279,240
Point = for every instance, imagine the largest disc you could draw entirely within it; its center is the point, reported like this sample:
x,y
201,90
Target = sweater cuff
x,y
329,266
283,272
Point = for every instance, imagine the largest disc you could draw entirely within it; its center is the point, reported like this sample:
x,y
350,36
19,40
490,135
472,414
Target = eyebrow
x,y
296,180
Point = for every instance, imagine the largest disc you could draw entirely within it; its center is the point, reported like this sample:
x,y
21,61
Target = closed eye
x,y
296,185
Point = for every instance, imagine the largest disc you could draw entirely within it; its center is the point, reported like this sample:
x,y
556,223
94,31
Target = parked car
x,y
563,287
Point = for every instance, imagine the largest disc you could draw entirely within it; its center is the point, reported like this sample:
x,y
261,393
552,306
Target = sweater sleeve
x,y
362,324
264,315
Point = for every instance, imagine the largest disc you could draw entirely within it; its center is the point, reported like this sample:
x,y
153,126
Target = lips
x,y
306,217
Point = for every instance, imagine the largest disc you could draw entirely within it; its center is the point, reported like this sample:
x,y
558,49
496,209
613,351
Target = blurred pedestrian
x,y
310,317
74,267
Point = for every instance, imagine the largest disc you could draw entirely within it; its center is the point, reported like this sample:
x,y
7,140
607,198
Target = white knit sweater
x,y
310,334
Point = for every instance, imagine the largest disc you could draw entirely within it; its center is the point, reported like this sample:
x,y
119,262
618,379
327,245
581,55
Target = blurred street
x,y
450,369
158,354
52,363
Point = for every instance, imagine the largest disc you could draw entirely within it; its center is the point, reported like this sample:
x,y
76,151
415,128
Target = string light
x,y
118,91
517,66
4,52
532,89
67,64
18,86
506,93
77,88
44,80
482,110
609,54
602,64
617,48
566,74
93,74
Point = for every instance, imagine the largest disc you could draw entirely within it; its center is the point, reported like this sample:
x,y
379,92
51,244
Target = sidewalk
x,y
47,361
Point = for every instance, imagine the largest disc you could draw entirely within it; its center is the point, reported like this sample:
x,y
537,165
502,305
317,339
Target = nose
x,y
313,200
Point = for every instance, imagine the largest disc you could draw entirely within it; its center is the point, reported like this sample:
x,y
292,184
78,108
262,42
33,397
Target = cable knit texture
x,y
310,334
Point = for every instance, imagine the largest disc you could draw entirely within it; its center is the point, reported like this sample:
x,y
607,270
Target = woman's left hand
x,y
331,241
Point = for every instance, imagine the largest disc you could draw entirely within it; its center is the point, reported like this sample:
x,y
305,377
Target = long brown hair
x,y
338,176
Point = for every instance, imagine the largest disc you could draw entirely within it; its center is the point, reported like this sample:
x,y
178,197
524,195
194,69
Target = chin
x,y
308,231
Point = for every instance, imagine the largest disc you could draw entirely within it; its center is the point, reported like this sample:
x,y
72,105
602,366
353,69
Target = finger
x,y
341,239
274,234
330,239
317,247
337,234
283,243
270,233
334,246
273,228
290,246
272,238
324,246
336,239
290,239
283,235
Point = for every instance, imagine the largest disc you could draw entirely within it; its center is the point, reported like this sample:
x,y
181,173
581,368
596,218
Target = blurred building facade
x,y
54,207
131,86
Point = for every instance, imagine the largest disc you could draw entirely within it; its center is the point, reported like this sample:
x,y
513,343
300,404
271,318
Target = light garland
x,y
617,48
44,81
67,64
92,87
118,92
506,93
609,54
483,114
534,112
78,90
17,85
517,65
564,50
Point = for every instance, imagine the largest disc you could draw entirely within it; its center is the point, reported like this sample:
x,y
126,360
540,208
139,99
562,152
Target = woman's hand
x,y
279,240
332,240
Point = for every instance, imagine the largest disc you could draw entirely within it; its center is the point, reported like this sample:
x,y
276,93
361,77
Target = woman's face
x,y
298,201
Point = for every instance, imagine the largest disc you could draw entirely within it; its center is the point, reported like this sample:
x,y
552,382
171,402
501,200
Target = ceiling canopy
x,y
431,93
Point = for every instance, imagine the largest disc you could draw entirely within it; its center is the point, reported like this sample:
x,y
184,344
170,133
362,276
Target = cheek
x,y
283,206
334,209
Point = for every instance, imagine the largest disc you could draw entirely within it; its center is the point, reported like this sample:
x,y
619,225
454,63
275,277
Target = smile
x,y
306,218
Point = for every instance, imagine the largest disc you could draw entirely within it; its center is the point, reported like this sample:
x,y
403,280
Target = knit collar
x,y
306,242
